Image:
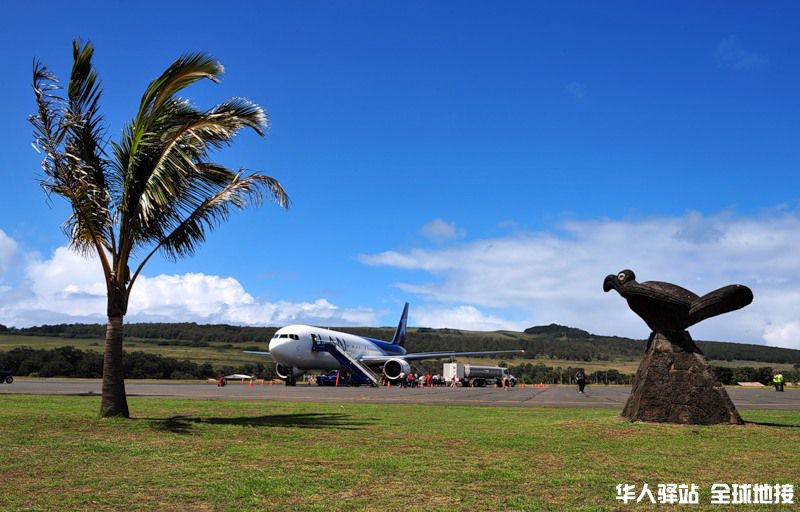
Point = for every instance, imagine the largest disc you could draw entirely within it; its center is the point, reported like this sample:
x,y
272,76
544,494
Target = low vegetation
x,y
192,351
71,362
550,342
57,454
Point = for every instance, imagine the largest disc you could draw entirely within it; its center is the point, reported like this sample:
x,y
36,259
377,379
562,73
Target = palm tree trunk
x,y
115,402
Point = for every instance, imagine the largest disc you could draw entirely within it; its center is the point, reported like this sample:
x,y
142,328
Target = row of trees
x,y
187,331
72,362
553,342
542,374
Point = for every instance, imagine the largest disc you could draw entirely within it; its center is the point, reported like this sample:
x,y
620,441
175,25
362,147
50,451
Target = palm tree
x,y
156,190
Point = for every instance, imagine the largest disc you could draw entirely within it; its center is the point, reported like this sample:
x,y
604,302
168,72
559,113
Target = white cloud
x,y
70,288
784,335
557,277
462,317
439,230
732,55
8,248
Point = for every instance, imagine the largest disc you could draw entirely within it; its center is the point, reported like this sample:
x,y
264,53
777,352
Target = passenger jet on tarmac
x,y
298,348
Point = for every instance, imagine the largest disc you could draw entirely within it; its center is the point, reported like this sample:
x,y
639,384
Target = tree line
x,y
73,362
543,342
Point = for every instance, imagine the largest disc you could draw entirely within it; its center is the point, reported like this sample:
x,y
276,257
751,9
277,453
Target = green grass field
x,y
190,455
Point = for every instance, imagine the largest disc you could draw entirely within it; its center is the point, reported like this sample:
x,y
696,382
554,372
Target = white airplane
x,y
299,348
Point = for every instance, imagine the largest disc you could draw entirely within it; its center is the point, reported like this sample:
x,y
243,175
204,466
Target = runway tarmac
x,y
550,396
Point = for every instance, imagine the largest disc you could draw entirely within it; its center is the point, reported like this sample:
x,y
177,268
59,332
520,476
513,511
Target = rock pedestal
x,y
675,384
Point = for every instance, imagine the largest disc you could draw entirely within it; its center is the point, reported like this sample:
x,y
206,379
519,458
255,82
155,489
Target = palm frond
x,y
86,135
67,172
239,193
186,233
185,71
171,168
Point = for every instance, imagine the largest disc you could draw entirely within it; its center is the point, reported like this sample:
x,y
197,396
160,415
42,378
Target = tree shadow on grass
x,y
329,421
771,424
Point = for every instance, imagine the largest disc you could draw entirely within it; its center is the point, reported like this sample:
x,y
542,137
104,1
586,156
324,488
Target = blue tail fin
x,y
400,333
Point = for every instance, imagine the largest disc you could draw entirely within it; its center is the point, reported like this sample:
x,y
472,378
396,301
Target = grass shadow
x,y
185,424
770,424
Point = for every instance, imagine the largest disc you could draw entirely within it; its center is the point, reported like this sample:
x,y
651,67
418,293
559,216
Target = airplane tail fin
x,y
400,333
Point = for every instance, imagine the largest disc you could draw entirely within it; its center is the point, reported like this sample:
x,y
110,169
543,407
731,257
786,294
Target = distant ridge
x,y
559,331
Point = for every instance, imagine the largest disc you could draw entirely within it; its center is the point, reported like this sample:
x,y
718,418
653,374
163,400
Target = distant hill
x,y
549,341
558,331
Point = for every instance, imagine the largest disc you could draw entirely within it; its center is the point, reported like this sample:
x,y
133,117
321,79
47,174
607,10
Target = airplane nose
x,y
280,348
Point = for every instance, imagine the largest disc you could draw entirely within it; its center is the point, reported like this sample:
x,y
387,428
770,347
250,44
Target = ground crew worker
x,y
778,381
580,379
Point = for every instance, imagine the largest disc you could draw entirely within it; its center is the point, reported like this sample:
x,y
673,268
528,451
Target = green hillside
x,y
225,342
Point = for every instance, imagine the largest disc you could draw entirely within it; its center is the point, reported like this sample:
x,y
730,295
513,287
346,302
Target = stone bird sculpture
x,y
669,307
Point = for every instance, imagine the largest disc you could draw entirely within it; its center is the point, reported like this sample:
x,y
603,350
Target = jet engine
x,y
394,367
284,372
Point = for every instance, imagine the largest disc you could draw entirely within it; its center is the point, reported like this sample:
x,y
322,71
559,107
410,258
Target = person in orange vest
x,y
221,381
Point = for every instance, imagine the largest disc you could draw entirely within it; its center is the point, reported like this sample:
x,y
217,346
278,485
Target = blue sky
x,y
488,162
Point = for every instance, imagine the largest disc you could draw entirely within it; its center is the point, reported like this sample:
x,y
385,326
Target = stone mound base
x,y
675,384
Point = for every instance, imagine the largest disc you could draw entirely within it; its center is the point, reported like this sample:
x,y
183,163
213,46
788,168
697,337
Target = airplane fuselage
x,y
300,348
292,346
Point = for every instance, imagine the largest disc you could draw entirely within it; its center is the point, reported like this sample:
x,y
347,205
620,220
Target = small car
x,y
5,376
330,378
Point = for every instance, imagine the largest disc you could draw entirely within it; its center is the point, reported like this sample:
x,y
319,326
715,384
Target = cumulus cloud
x,y
8,247
557,277
439,230
462,317
70,288
732,55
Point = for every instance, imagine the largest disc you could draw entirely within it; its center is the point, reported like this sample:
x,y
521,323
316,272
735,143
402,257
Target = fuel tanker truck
x,y
473,375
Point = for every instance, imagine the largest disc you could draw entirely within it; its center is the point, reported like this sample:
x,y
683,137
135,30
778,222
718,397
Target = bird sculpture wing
x,y
723,300
663,292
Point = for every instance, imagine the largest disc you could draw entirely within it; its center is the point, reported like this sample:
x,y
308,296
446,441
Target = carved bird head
x,y
613,282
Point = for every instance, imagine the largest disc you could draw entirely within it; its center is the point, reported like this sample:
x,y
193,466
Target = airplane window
x,y
295,337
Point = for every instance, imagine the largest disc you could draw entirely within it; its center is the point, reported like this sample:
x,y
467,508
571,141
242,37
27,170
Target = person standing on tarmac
x,y
777,380
580,378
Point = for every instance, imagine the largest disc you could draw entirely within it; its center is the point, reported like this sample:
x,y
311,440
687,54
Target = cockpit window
x,y
294,336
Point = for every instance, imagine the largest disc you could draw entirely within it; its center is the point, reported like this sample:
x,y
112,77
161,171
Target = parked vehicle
x,y
472,375
344,379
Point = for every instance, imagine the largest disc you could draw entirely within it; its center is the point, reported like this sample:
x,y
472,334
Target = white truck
x,y
473,375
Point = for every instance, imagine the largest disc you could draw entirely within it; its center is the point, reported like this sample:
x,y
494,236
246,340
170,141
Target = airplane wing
x,y
434,355
256,352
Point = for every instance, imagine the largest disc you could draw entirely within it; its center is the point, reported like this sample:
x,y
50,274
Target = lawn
x,y
56,454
